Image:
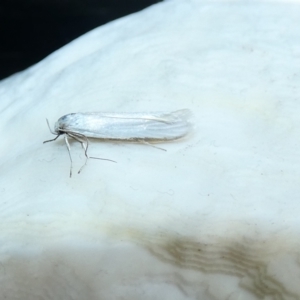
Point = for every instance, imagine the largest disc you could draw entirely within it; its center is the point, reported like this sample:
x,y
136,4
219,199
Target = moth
x,y
152,127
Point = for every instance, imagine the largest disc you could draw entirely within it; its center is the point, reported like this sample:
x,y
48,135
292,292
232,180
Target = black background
x,y
32,29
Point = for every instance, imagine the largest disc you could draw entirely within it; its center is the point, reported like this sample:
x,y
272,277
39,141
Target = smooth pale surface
x,y
214,217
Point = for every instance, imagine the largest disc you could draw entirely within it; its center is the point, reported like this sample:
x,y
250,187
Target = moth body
x,y
141,127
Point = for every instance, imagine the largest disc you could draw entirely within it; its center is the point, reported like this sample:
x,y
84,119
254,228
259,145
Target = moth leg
x,y
83,140
85,147
84,143
69,150
52,139
103,159
149,144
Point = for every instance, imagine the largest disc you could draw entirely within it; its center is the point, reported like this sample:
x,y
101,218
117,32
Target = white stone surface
x,y
214,217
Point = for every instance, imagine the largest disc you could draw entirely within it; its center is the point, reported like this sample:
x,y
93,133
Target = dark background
x,y
32,29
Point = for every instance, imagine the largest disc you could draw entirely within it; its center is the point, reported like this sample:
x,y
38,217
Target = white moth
x,y
138,127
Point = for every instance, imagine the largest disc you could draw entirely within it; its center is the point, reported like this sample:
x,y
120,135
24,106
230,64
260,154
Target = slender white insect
x,y
138,127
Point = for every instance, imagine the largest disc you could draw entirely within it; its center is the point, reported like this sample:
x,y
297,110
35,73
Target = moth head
x,y
58,128
62,123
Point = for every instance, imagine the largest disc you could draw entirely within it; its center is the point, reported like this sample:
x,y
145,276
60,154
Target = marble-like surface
x,y
214,217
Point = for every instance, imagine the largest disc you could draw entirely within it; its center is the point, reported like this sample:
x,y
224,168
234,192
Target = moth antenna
x,y
50,127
